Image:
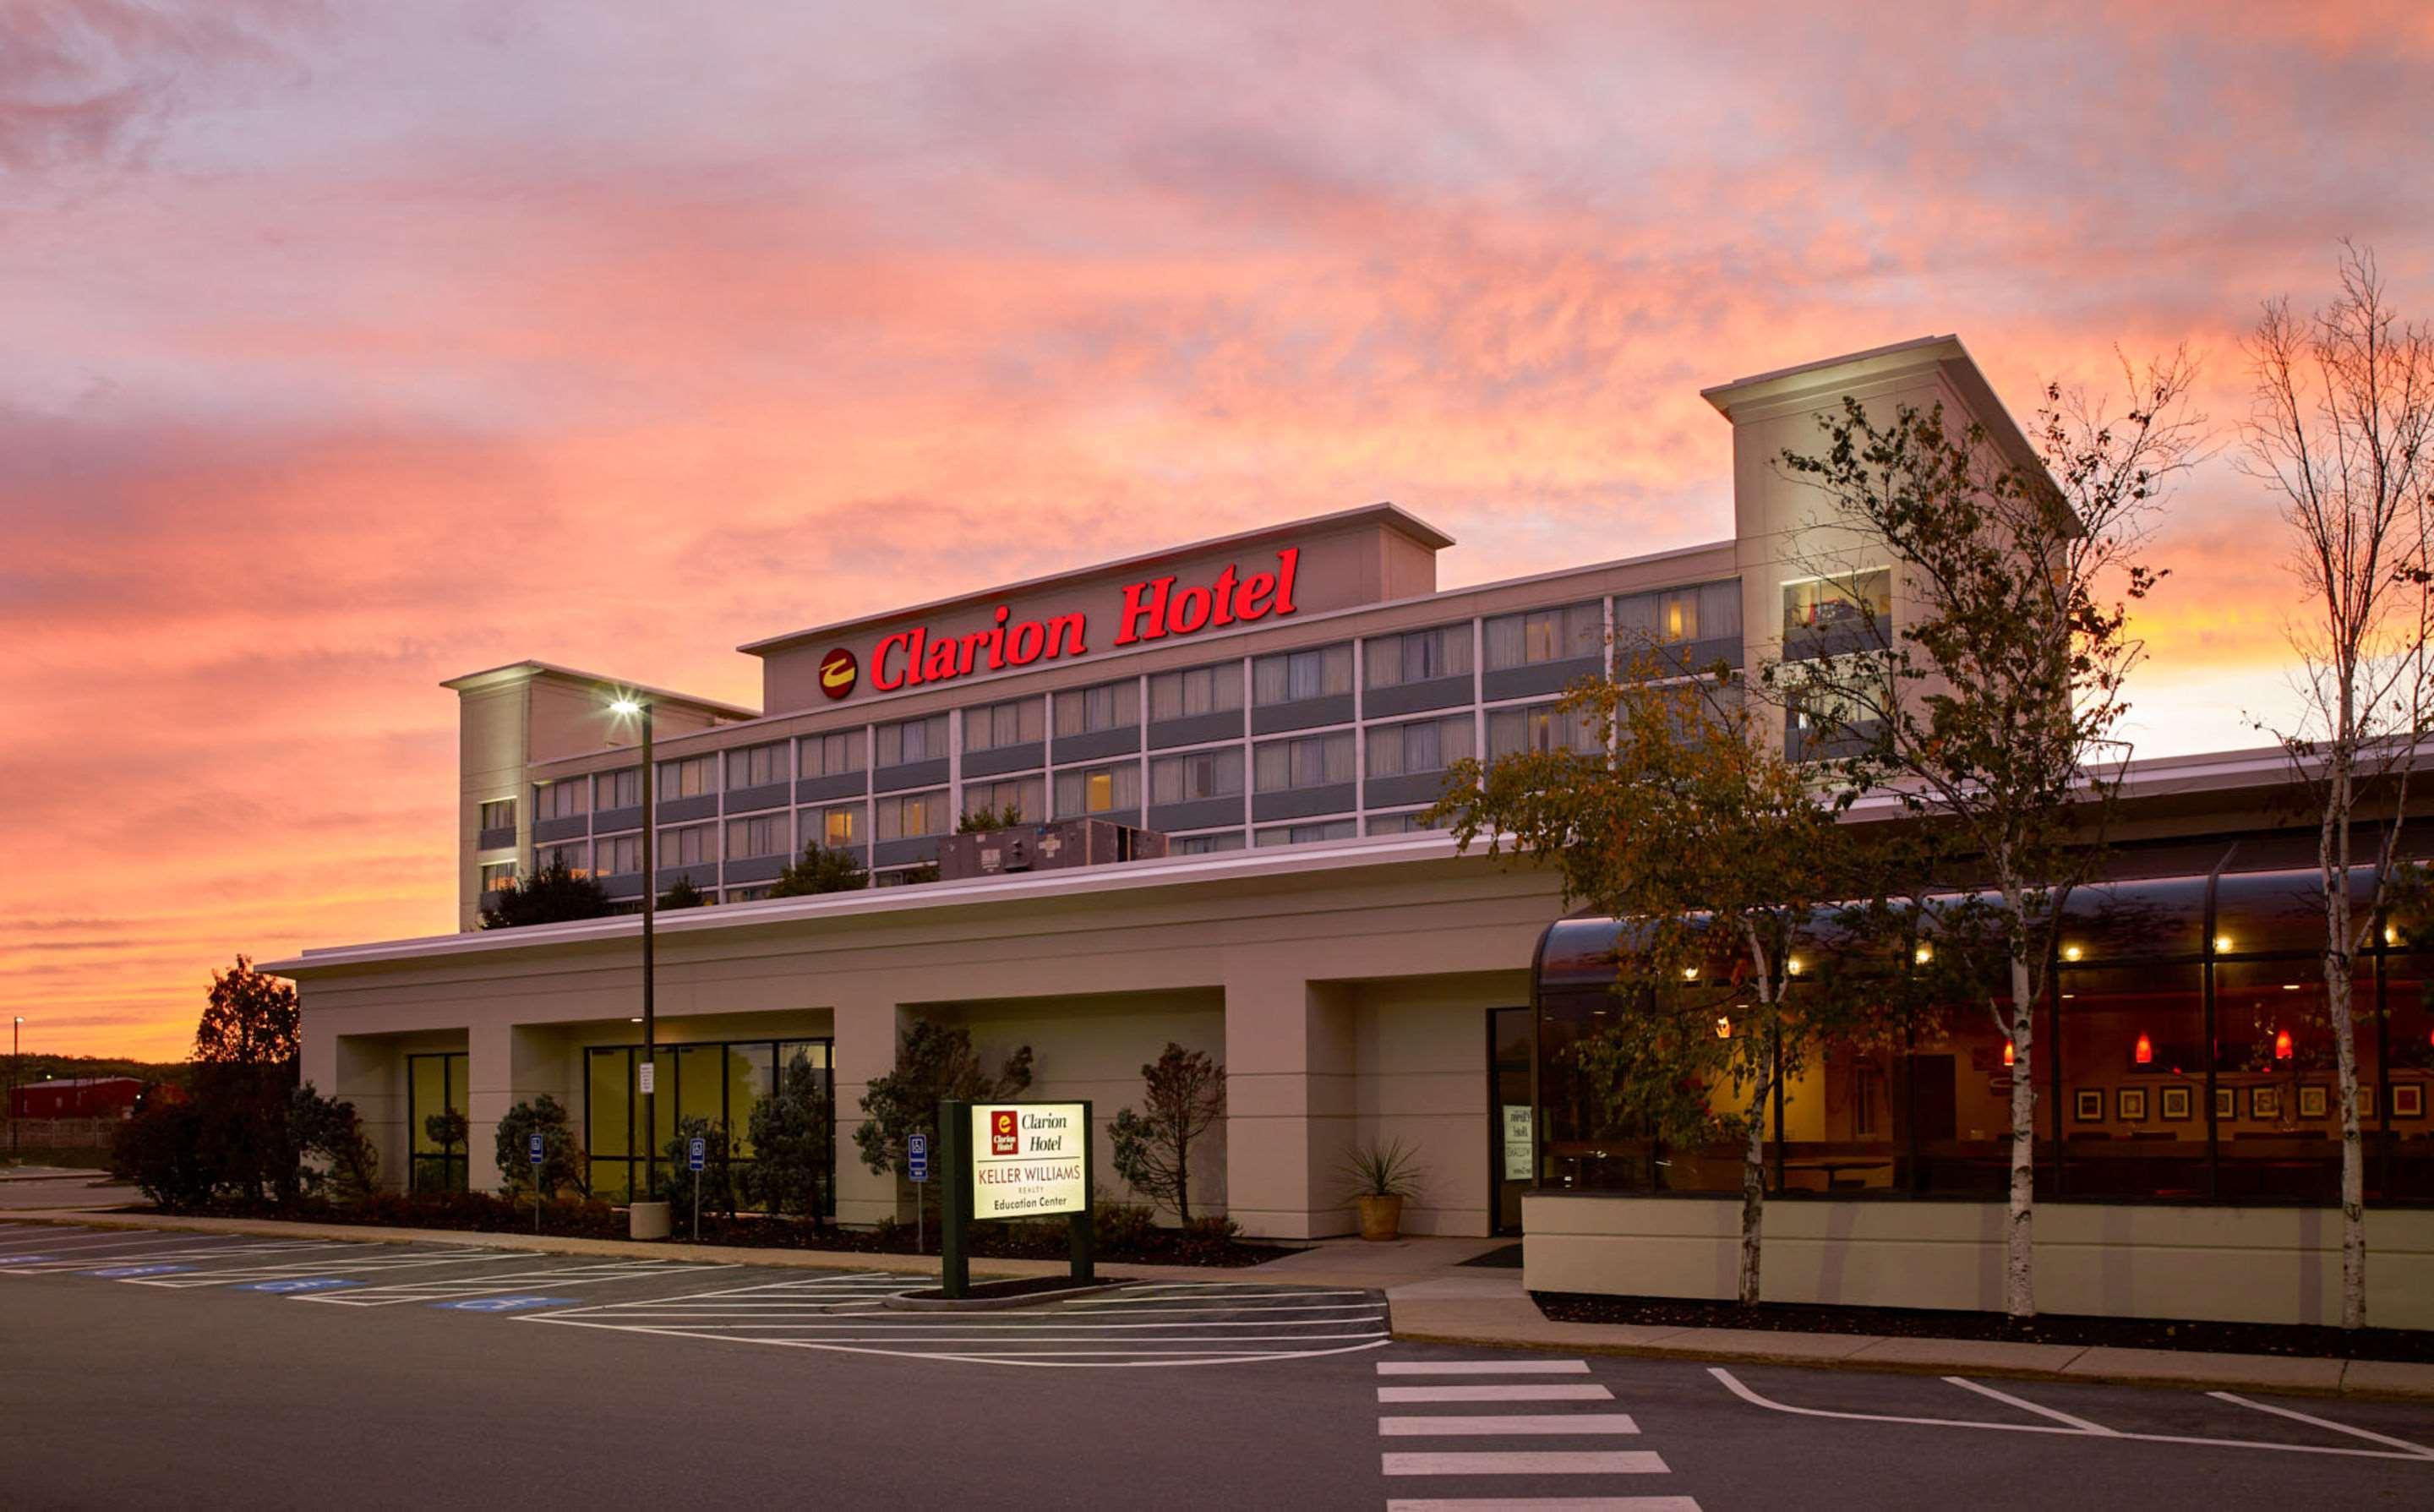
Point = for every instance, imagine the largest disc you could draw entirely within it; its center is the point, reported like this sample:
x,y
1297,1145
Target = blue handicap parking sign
x,y
532,1149
301,1283
917,1157
696,1152
504,1305
123,1273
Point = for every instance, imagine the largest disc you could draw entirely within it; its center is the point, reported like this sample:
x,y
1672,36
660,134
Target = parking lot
x,y
150,1366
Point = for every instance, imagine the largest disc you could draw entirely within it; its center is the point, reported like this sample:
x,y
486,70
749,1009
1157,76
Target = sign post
x,y
697,1154
533,1152
1009,1160
917,1167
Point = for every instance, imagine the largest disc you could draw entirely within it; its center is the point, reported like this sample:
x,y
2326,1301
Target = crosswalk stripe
x,y
1446,1427
1483,1367
1541,1505
1553,1393
1528,1462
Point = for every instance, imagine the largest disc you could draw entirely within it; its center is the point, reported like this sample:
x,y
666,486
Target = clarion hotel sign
x,y
1153,609
1028,1159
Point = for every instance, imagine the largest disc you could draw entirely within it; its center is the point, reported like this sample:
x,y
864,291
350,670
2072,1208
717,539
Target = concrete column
x,y
1289,1098
508,1064
866,1047
368,1072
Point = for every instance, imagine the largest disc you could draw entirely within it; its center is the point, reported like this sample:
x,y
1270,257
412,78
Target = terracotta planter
x,y
1381,1217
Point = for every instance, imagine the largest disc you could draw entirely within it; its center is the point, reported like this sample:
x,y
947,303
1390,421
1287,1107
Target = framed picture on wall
x,y
2408,1099
2226,1104
2130,1105
2175,1104
2264,1102
2315,1100
2366,1103
2088,1106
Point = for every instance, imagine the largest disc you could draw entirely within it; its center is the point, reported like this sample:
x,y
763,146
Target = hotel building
x,y
1282,704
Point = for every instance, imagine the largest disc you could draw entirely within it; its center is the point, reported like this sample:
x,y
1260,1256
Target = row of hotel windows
x,y
1703,612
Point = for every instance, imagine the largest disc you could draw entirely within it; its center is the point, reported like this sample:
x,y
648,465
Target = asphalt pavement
x,y
188,1370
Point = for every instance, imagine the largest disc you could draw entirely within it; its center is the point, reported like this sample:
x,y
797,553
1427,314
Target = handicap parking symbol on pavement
x,y
504,1305
301,1283
128,1273
24,1260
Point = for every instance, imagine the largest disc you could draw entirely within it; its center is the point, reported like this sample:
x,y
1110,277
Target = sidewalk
x,y
47,1173
1436,1300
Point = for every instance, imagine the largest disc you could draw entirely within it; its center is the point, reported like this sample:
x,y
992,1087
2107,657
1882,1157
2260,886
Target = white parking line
x,y
368,1265
1733,1384
2323,1422
97,1259
1483,1367
1588,1393
2025,1405
1543,1504
1451,1427
1550,1462
445,1290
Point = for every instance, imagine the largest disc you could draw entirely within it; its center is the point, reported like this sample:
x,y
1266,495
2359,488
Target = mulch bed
x,y
476,1213
2408,1346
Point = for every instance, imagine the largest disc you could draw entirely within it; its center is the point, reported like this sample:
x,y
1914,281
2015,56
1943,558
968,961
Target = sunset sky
x,y
348,346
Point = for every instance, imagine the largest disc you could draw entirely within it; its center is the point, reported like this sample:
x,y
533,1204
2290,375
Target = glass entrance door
x,y
1512,1158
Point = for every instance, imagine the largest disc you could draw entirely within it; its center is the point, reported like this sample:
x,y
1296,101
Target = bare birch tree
x,y
1989,706
2343,431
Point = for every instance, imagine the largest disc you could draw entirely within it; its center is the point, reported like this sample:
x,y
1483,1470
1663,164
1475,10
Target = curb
x,y
2173,1368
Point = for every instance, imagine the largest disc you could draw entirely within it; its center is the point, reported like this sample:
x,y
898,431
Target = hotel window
x,y
1821,606
1108,706
561,800
1417,657
748,895
912,740
688,776
1314,760
764,837
1202,845
1422,746
618,790
499,814
913,816
904,877
1544,635
1024,794
618,856
1098,790
498,876
1303,833
1016,722
1201,775
832,755
574,855
1669,616
1198,691
1415,823
757,765
1540,727
1292,676
694,846
838,827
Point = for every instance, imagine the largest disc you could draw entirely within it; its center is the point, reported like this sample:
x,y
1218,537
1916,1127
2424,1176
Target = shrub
x,y
162,1151
793,1135
563,1164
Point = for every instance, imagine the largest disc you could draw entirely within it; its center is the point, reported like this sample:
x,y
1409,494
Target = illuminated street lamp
x,y
15,1064
629,706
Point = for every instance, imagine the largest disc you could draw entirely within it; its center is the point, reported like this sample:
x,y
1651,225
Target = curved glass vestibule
x,y
2185,1054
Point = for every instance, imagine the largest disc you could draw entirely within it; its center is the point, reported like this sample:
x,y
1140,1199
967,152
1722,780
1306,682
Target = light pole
x,y
648,1073
16,1064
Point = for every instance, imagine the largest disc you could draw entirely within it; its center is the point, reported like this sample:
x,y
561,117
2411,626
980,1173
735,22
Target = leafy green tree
x,y
683,894
552,895
245,1071
820,870
1989,710
1183,1098
249,1019
562,1166
985,817
793,1143
1720,857
934,1063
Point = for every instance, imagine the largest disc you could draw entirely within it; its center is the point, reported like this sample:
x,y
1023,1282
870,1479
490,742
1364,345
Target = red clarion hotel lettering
x,y
1154,608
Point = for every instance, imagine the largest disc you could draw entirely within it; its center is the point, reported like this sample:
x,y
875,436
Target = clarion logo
x,y
839,672
1003,1139
1154,608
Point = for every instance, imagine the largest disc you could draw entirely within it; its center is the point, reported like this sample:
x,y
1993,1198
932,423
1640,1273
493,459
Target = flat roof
x,y
551,669
1388,514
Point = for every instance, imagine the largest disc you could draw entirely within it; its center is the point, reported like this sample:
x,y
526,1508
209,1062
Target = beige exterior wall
x,y
1348,1004
2119,1260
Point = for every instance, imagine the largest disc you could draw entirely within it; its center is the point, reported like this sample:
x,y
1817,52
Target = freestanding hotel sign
x,y
1007,1160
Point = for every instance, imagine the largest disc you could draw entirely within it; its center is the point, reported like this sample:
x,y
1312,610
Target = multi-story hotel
x,y
1283,705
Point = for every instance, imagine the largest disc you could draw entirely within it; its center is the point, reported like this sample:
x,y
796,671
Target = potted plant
x,y
1382,1176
